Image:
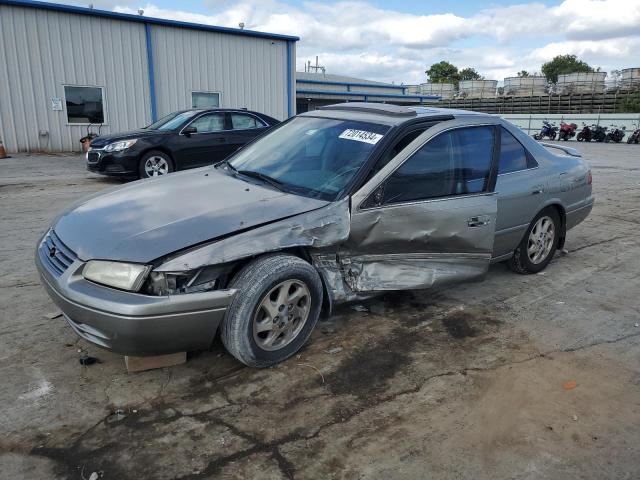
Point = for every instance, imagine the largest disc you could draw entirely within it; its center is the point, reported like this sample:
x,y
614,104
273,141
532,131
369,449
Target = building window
x,y
84,104
205,100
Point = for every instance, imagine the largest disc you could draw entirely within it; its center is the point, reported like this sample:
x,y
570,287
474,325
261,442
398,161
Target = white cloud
x,y
356,38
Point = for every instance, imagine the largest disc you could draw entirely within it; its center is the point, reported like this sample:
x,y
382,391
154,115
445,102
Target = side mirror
x,y
190,130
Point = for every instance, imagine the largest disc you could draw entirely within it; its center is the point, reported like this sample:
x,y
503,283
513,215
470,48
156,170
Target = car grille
x,y
93,156
55,255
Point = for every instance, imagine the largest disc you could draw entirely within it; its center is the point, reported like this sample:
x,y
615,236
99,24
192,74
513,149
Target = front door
x,y
428,217
207,145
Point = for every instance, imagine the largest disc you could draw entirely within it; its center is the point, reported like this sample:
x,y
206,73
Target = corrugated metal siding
x,y
248,72
40,51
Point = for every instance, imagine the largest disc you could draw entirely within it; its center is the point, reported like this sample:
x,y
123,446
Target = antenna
x,y
241,25
140,11
316,68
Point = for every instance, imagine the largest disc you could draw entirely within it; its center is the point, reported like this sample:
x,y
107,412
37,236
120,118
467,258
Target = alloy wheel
x,y
155,166
541,240
281,315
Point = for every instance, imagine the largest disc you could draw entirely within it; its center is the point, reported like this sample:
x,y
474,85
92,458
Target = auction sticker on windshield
x,y
360,136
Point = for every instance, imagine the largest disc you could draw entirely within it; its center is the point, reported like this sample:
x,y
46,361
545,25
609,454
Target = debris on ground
x,y
564,251
94,476
311,366
54,314
116,416
333,351
636,324
86,360
574,418
570,385
360,308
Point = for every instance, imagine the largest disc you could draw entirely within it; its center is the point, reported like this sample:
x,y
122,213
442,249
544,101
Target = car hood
x,y
152,218
103,140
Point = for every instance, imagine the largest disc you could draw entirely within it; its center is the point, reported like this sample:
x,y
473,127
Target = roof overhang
x,y
142,19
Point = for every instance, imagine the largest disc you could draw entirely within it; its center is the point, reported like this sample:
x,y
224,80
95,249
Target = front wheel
x,y
538,245
155,164
552,135
580,137
276,307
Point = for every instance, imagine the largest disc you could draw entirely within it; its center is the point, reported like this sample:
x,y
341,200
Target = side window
x,y
397,147
513,156
456,162
240,121
211,122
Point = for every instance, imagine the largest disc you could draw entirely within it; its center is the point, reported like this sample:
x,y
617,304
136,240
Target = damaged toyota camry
x,y
330,206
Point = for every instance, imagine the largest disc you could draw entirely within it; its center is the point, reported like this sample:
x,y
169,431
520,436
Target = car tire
x,y
525,259
155,164
252,330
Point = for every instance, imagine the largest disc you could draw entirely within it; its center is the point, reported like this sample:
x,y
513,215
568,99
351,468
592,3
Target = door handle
x,y
479,221
221,140
537,190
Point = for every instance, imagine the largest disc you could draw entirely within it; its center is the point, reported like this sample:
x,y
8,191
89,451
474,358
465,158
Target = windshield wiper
x,y
261,176
226,162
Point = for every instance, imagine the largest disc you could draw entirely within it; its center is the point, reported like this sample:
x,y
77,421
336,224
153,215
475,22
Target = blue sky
x,y
396,41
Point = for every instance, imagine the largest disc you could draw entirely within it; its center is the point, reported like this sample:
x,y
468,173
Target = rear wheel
x,y
155,164
274,311
538,245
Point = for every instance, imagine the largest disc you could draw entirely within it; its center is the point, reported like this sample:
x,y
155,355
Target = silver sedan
x,y
330,206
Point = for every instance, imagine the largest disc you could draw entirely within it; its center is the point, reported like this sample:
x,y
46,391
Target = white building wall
x,y
248,71
42,50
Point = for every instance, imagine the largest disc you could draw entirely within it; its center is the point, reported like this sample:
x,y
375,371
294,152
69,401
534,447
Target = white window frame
x,y
205,91
104,105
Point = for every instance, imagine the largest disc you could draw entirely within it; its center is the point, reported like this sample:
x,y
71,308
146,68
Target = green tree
x,y
443,72
562,64
523,73
469,74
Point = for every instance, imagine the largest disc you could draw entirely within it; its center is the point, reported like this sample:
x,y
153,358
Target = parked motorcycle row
x,y
596,133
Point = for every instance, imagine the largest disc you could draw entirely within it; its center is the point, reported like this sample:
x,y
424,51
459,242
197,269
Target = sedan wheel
x,y
155,164
541,240
281,315
277,305
539,243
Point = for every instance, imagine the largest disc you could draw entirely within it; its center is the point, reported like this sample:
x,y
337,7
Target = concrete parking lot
x,y
471,381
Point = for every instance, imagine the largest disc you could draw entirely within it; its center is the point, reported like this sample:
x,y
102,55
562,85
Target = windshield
x,y
172,121
315,157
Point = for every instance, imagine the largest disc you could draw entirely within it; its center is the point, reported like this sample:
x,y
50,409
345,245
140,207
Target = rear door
x,y
207,145
244,127
521,192
428,217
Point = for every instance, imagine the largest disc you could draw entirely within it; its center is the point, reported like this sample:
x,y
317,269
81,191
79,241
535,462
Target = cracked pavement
x,y
458,382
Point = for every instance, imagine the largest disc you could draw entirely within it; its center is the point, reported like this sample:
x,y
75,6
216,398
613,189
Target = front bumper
x,y
131,323
123,163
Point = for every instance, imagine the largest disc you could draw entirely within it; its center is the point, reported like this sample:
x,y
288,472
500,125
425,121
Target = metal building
x,y
65,70
314,90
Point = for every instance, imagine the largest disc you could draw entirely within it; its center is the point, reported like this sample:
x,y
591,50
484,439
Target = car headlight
x,y
125,276
118,146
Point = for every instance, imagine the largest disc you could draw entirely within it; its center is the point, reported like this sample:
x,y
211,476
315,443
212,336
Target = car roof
x,y
218,109
388,114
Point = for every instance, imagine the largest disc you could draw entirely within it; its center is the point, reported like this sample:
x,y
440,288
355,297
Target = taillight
x,y
589,178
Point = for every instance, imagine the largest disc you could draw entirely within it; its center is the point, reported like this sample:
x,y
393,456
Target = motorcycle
x,y
586,134
599,133
634,137
615,135
567,131
548,130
